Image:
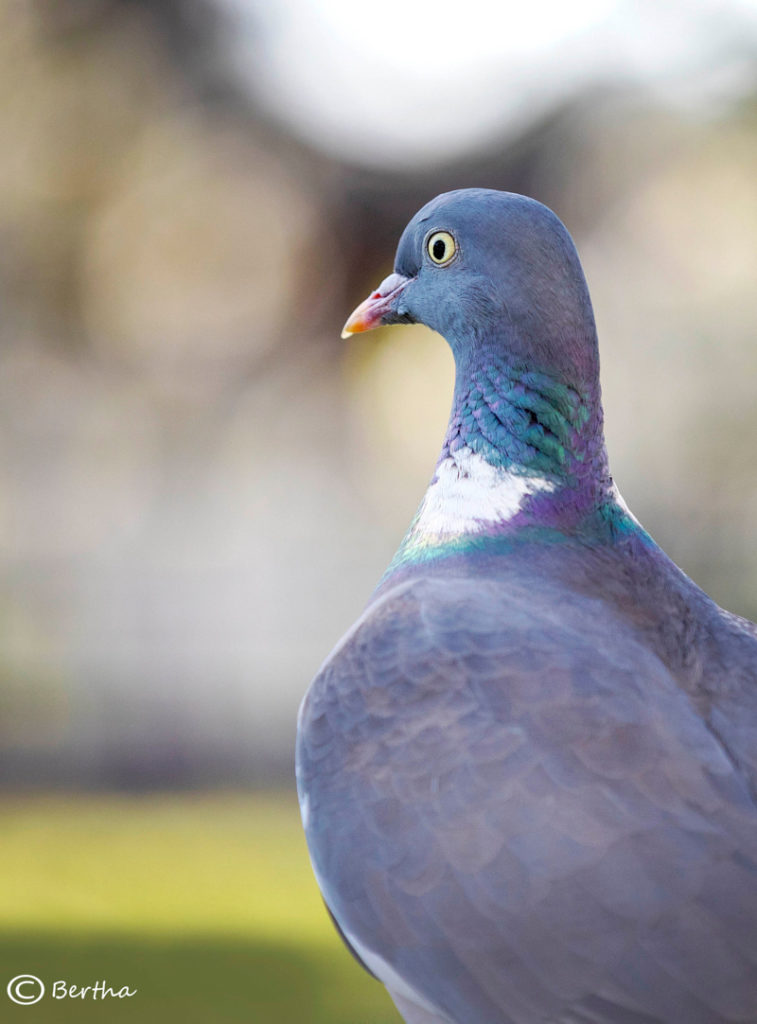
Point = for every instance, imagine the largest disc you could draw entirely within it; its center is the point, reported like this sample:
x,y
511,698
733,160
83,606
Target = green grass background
x,y
205,904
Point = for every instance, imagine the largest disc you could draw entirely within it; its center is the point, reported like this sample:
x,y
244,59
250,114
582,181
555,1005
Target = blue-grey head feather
x,y
515,292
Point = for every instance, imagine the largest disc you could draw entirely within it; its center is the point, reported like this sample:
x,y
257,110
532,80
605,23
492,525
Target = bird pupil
x,y
440,247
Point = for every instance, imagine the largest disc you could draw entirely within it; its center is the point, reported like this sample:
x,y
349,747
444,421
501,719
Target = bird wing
x,y
516,816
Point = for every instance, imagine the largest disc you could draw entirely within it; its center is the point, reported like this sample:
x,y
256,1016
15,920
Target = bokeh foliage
x,y
200,484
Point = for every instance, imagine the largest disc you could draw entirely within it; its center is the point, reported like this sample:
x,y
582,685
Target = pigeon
x,y
528,772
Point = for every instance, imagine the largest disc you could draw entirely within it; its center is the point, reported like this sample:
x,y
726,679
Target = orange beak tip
x,y
371,312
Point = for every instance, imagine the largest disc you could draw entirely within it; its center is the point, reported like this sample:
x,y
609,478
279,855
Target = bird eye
x,y
441,247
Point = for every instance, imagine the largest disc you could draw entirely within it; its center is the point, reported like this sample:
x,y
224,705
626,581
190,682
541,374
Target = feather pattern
x,y
529,771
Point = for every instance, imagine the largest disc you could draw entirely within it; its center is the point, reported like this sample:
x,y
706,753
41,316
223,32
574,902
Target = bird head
x,y
498,276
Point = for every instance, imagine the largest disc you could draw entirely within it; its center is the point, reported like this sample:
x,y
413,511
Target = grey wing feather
x,y
526,819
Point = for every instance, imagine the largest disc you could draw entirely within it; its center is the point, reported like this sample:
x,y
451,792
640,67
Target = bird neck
x,y
522,451
529,424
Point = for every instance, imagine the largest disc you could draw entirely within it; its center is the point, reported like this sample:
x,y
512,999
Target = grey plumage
x,y
529,773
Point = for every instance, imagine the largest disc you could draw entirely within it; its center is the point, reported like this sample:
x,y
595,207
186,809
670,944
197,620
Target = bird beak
x,y
377,307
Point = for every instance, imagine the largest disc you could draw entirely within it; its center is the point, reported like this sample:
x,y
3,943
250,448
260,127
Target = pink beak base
x,y
371,312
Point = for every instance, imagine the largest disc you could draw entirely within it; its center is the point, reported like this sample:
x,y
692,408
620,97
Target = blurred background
x,y
200,484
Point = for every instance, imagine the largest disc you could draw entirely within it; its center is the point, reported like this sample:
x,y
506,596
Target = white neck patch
x,y
468,494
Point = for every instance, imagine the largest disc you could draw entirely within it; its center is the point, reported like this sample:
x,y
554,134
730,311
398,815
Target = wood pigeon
x,y
528,773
